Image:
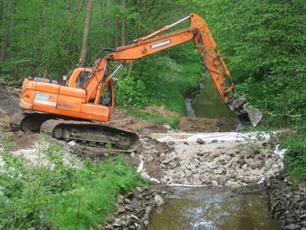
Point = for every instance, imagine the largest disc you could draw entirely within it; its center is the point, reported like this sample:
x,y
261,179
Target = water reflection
x,y
209,104
213,208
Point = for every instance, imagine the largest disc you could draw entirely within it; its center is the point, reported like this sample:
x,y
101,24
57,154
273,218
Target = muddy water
x,y
209,104
213,208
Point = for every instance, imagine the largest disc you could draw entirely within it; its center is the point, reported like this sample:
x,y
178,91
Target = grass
x,y
59,196
295,157
172,121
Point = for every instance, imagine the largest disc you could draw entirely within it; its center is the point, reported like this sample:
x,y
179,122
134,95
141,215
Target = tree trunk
x,y
86,32
6,32
76,7
123,24
1,10
40,36
67,5
103,7
116,30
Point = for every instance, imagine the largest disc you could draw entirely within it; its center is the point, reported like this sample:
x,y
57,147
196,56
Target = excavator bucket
x,y
246,113
254,115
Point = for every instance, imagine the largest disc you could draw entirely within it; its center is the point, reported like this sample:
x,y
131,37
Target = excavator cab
x,y
78,78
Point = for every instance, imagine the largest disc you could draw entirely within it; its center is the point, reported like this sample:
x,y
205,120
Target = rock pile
x,y
152,153
133,209
217,162
232,167
287,202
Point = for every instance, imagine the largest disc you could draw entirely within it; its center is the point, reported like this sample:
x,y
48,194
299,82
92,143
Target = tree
x,y
123,24
76,6
86,32
7,26
67,5
42,20
116,26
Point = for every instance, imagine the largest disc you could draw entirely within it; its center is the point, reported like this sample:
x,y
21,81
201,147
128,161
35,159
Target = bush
x,y
130,93
295,157
59,196
266,59
167,79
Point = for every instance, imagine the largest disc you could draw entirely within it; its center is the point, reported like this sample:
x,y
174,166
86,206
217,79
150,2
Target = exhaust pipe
x,y
245,112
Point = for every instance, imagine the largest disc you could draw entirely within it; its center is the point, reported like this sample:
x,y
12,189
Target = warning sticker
x,y
43,98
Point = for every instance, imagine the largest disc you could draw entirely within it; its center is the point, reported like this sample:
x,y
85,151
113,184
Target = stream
x,y
213,208
207,103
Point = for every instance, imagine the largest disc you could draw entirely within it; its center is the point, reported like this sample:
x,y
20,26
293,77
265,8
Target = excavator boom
x,y
210,55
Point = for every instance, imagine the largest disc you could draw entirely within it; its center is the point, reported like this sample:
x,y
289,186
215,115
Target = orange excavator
x,y
77,108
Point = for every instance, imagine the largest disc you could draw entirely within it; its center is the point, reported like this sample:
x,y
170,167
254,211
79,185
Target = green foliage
x,y
130,93
54,46
168,80
295,158
59,195
264,49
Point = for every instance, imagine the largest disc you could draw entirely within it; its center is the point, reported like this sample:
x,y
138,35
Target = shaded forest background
x,y
263,44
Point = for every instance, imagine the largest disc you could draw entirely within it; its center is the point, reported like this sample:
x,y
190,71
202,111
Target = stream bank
x,y
198,154
287,201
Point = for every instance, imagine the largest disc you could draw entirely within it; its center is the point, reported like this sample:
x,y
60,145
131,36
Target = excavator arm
x,y
66,111
203,40
158,41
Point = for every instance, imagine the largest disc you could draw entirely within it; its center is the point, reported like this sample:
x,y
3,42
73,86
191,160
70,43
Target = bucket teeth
x,y
245,112
253,114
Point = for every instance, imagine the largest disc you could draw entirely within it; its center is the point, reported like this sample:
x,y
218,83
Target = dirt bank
x,y
9,106
196,124
121,119
9,99
207,124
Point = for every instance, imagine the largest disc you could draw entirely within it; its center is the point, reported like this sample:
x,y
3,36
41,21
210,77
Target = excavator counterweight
x,y
72,110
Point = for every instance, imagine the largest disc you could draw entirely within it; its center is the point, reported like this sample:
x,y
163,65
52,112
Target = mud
x,y
121,119
161,110
207,124
9,99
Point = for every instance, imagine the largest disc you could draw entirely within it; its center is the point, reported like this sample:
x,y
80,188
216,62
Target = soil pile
x,y
9,99
9,107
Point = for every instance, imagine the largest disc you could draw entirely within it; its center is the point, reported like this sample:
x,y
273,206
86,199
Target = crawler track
x,y
84,132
